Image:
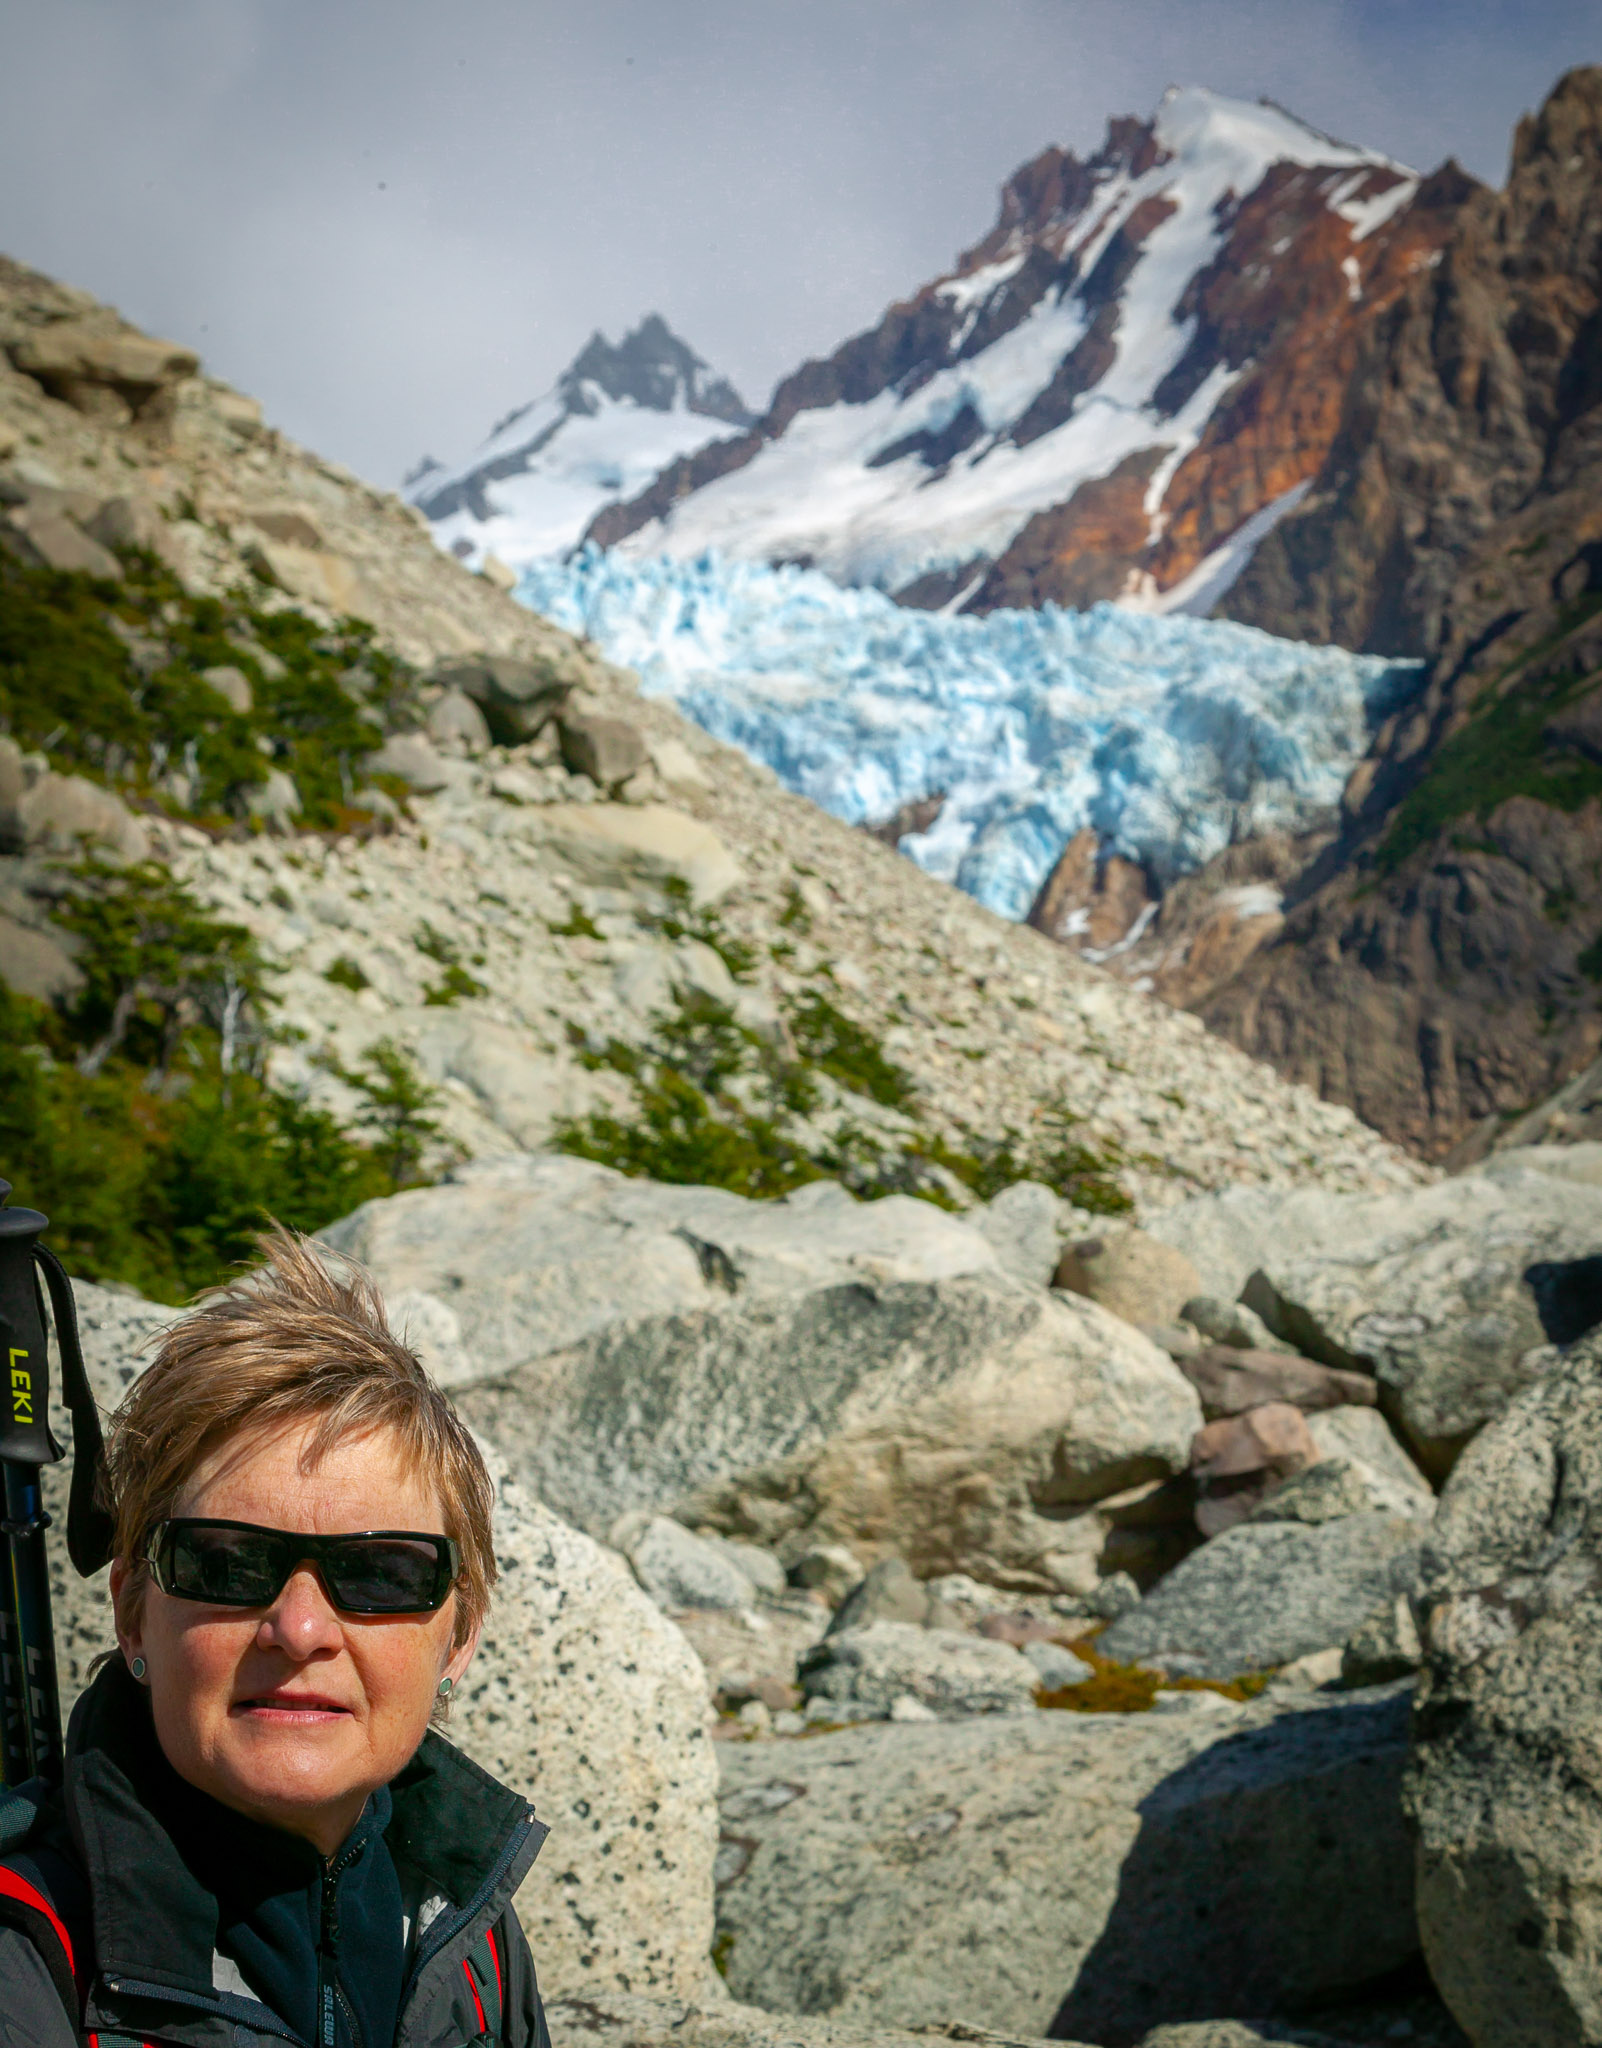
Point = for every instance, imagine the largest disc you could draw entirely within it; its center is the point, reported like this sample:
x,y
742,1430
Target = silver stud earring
x,y
446,1687
139,1668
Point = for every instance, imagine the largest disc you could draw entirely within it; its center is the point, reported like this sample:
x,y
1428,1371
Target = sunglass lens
x,y
384,1575
234,1567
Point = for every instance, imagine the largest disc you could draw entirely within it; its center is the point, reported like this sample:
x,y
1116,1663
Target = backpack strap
x,y
483,1971
24,1907
19,1812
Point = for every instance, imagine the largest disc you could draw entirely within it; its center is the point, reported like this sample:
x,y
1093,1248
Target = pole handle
x,y
90,1528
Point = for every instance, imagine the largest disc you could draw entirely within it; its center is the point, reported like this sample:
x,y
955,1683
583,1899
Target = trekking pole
x,y
30,1735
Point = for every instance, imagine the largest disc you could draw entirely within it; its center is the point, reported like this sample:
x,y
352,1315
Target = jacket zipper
x,y
328,1949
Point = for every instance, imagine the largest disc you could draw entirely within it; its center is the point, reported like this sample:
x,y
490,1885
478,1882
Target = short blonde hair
x,y
290,1343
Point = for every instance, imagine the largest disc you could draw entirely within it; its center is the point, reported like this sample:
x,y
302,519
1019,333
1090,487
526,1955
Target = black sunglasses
x,y
237,1564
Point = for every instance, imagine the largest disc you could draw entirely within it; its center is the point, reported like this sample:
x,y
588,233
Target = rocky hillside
x,y
1433,957
965,1536
618,414
1116,393
459,855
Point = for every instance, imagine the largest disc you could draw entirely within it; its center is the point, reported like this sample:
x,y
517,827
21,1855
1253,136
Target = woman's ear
x,y
463,1655
127,1607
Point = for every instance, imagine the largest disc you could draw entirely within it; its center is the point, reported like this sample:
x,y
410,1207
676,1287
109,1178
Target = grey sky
x,y
393,220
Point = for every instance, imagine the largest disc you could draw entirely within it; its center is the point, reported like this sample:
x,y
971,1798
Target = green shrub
x,y
717,1104
682,921
453,985
1080,1172
578,925
152,960
849,1053
140,1117
679,1134
455,982
164,1187
395,1112
795,916
346,973
136,719
1501,751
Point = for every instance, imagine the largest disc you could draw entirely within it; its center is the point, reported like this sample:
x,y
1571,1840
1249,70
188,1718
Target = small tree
x,y
397,1101
156,966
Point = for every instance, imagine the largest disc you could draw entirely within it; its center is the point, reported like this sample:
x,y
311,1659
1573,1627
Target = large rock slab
x,y
1228,1235
1363,1434
1134,1275
66,354
680,1569
583,1695
67,815
971,1427
946,1670
537,1252
1026,1224
1580,1161
1265,1593
1042,1873
633,846
868,1368
615,2020
587,1696
1506,1785
1451,1295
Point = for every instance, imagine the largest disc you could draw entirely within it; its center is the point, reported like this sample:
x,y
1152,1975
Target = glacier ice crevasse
x,y
1170,737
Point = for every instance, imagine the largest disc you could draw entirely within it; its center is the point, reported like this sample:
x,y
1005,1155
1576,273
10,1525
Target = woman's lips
x,y
290,1706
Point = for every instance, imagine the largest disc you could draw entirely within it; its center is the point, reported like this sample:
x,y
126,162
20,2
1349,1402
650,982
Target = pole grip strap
x,y
90,1529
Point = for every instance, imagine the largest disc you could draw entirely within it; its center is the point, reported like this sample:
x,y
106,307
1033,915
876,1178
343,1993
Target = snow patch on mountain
x,y
835,490
1170,736
617,416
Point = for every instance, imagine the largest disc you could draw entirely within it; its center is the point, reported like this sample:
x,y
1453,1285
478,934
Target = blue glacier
x,y
1171,736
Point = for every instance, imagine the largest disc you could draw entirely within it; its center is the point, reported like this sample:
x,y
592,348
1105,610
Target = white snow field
x,y
618,415
822,493
577,464
1172,736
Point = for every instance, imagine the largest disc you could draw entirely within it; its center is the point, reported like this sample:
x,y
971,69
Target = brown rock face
x,y
1300,273
1438,967
1091,900
1283,308
1238,1459
1230,1382
1080,552
1464,405
1193,939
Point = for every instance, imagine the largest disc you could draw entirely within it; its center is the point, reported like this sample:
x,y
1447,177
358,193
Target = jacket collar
x,y
131,1816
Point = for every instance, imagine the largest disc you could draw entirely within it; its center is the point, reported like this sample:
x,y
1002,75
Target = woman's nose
x,y
301,1620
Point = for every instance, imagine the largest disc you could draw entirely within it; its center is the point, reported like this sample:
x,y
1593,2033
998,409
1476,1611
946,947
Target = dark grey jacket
x,y
123,1882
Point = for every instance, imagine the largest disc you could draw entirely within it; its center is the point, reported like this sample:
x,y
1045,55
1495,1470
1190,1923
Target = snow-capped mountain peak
x,y
650,367
1112,395
615,417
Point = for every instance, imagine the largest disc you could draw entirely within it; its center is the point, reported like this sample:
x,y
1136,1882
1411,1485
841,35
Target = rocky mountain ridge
x,y
618,414
1115,394
1431,955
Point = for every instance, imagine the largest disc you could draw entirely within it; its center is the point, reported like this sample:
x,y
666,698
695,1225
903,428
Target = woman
x,y
257,1837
